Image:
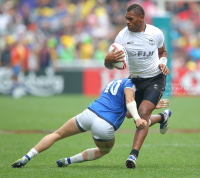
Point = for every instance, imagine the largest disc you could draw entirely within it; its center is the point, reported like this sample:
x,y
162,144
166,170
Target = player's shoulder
x,y
123,32
127,81
123,81
153,29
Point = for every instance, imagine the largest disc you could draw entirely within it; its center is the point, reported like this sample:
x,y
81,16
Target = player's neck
x,y
142,28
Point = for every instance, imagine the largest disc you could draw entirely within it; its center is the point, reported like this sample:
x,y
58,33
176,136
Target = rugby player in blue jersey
x,y
103,117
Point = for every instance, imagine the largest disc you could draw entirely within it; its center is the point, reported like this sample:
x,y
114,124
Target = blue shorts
x,y
16,70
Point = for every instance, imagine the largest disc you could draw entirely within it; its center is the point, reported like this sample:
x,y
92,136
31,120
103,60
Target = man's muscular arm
x,y
113,57
162,52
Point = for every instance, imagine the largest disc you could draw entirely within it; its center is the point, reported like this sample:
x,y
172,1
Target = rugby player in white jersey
x,y
147,58
103,117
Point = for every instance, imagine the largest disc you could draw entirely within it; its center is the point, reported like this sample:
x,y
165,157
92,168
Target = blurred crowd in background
x,y
39,33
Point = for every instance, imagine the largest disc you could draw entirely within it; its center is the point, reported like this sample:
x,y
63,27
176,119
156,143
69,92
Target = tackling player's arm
x,y
162,52
132,108
164,103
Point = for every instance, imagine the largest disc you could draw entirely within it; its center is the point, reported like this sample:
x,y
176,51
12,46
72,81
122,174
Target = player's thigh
x,y
103,135
155,89
139,95
152,96
68,129
150,89
145,109
105,146
149,103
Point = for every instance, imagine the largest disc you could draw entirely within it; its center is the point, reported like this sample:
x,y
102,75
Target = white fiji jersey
x,y
142,49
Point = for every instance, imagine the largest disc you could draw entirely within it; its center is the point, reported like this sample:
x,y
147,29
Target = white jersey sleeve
x,y
118,39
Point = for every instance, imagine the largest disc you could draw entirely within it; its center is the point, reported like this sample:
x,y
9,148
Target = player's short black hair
x,y
137,9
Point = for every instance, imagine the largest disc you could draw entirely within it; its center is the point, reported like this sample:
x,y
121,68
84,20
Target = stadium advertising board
x,y
88,81
42,83
185,82
95,79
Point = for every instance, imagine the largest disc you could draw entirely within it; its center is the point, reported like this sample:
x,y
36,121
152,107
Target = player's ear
x,y
141,17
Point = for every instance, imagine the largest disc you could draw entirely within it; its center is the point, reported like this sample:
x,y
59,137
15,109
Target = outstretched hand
x,y
164,69
164,103
140,123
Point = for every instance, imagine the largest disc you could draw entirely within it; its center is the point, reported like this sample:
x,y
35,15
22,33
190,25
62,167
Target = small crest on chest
x,y
152,42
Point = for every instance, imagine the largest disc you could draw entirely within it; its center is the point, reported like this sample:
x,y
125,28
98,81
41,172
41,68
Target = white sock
x,y
75,159
33,152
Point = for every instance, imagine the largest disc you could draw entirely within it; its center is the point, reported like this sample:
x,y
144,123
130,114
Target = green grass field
x,y
175,154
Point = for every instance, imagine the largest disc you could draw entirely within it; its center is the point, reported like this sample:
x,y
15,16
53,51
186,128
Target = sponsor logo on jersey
x,y
141,54
151,41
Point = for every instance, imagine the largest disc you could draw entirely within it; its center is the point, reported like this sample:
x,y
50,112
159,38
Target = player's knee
x,y
57,135
105,150
143,114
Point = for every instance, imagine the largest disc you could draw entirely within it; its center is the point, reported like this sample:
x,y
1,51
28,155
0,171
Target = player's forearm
x,y
130,103
163,54
163,57
132,108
